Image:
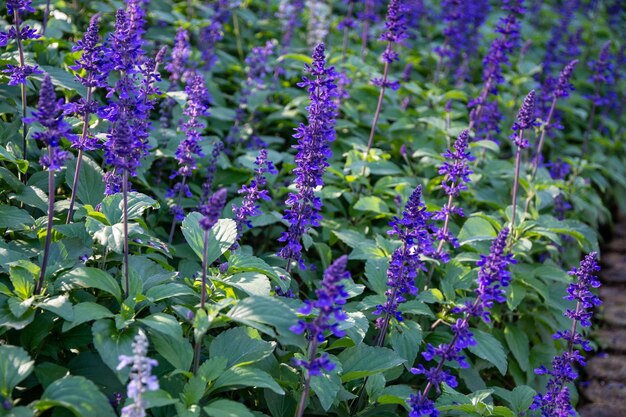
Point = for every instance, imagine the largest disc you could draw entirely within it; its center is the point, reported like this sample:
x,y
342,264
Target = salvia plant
x,y
305,208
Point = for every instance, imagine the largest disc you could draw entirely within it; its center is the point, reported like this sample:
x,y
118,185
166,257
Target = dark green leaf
x,y
361,361
77,394
15,365
227,408
240,347
490,349
86,277
221,236
15,218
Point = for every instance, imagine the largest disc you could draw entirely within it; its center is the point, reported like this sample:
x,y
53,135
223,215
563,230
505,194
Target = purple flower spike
x,y
331,296
20,5
92,60
49,114
141,378
312,157
253,193
178,65
395,32
493,277
456,173
212,210
556,401
563,85
210,35
405,263
189,149
525,120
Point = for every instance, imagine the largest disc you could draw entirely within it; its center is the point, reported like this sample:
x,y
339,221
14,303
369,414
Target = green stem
x,y
46,250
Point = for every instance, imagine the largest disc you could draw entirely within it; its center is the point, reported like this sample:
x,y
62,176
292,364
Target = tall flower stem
x,y
203,295
537,158
379,105
79,159
46,248
238,36
125,211
518,163
46,16
345,33
312,350
179,201
20,49
205,249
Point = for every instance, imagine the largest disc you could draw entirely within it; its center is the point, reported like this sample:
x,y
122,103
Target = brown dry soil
x,y
605,388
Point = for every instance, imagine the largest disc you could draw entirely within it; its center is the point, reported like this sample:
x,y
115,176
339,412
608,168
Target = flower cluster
x,y
178,66
563,84
189,149
405,263
603,74
395,29
330,299
556,401
485,115
288,13
312,157
257,69
49,114
463,20
525,120
141,378
212,208
92,71
456,174
210,35
19,73
493,277
319,21
253,192
127,137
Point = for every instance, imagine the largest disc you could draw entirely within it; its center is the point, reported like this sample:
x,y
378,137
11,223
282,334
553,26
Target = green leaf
x,y
240,347
395,394
227,408
490,349
266,314
521,398
86,277
15,365
326,387
221,236
476,229
59,305
15,218
62,78
111,343
167,336
518,343
405,340
373,204
168,291
246,376
23,282
77,394
85,312
362,360
376,274
252,283
297,57
363,248
239,262
90,189
112,206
